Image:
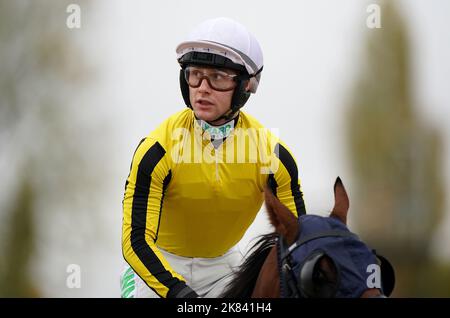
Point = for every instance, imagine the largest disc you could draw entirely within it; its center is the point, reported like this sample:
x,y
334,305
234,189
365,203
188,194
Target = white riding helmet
x,y
228,38
225,38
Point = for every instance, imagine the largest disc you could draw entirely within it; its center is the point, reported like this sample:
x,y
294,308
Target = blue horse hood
x,y
352,257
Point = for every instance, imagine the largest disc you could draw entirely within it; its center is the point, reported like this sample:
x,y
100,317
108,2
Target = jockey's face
x,y
209,104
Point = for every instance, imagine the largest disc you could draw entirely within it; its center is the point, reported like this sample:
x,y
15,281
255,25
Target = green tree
x,y
396,157
44,163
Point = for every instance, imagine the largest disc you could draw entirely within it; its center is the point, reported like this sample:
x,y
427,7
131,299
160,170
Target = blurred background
x,y
352,95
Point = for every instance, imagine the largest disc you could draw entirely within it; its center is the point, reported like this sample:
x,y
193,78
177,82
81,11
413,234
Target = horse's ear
x,y
281,217
341,202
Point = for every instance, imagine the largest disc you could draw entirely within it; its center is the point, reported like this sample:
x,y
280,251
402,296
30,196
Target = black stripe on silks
x,y
126,182
289,163
165,185
272,183
139,217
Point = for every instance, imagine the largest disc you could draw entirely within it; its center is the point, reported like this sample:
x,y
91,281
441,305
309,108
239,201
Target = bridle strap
x,y
280,248
329,233
287,279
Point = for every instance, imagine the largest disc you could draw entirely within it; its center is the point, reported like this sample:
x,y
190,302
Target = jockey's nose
x,y
204,86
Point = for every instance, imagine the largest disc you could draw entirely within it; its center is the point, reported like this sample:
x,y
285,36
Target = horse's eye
x,y
320,275
327,269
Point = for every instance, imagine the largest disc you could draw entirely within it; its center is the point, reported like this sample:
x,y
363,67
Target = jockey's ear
x,y
247,87
341,202
281,217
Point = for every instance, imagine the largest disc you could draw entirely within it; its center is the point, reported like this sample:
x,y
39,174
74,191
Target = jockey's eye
x,y
219,76
196,74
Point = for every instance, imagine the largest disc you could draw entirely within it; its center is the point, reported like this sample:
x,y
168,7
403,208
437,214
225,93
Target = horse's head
x,y
319,257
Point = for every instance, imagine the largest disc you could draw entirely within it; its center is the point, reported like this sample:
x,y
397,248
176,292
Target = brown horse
x,y
311,256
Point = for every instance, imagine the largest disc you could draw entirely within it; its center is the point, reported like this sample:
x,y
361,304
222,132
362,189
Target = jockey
x,y
196,182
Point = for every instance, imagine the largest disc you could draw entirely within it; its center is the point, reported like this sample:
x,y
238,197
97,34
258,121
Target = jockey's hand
x,y
187,292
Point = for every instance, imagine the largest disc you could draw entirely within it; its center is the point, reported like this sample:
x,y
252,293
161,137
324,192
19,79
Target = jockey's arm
x,y
285,182
149,175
